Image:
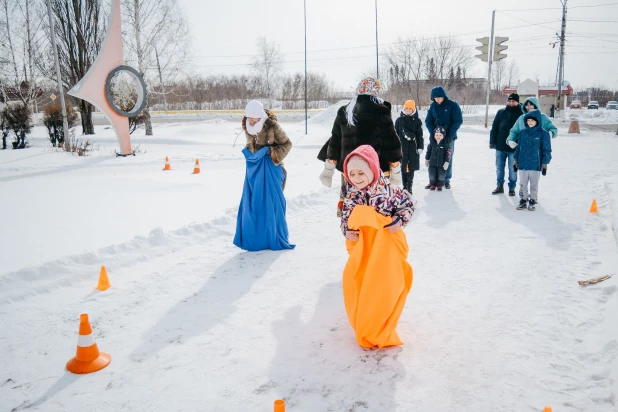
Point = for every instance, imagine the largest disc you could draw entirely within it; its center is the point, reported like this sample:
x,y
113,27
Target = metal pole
x,y
561,69
65,124
490,57
377,53
306,116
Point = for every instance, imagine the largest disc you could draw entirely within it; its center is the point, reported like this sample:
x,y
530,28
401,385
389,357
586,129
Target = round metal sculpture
x,y
141,91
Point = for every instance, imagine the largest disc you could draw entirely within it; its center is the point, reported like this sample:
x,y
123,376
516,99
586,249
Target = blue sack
x,y
261,215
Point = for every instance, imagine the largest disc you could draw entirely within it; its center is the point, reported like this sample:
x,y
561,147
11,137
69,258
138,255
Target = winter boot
x,y
522,204
439,188
511,192
499,189
432,187
447,185
531,205
428,186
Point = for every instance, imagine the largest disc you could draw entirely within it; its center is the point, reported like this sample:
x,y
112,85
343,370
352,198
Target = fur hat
x,y
369,86
409,104
514,96
255,110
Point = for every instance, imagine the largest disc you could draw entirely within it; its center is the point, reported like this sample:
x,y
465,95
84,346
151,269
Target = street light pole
x,y
306,116
65,125
377,54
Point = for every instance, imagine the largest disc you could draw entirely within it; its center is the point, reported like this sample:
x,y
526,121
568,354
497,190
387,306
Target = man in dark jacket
x,y
444,113
503,122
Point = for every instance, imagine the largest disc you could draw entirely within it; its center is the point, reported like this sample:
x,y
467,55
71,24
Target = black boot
x,y
522,204
499,189
428,186
447,185
511,192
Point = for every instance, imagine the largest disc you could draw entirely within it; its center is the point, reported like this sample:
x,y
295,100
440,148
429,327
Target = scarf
x,y
257,128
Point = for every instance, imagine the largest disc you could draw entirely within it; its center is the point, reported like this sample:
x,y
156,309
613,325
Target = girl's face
x,y
530,106
439,137
253,120
531,122
358,178
408,111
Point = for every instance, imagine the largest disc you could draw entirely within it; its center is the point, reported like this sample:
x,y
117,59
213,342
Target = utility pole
x,y
161,80
377,54
306,116
490,57
52,31
561,61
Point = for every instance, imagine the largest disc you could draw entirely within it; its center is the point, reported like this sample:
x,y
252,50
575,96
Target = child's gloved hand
x,y
445,165
395,225
515,166
512,144
492,146
352,235
426,163
544,170
326,177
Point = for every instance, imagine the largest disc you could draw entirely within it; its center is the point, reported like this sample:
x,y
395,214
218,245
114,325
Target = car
x,y
611,105
576,104
593,104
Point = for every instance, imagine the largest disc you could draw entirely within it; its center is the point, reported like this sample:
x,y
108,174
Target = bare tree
x,y
80,30
158,41
499,74
512,73
267,65
19,74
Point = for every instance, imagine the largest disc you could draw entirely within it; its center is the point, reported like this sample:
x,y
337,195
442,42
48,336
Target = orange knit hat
x,y
410,105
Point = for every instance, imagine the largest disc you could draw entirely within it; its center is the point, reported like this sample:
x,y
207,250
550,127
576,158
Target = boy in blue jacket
x,y
532,155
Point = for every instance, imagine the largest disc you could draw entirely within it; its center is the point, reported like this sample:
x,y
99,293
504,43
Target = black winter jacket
x,y
373,126
410,131
438,153
503,122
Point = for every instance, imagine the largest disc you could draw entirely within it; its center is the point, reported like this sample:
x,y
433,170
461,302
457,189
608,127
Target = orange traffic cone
x,y
167,164
103,280
196,169
593,208
279,405
88,358
547,409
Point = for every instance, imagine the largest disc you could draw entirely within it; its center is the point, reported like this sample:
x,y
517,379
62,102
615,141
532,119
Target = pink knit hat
x,y
366,159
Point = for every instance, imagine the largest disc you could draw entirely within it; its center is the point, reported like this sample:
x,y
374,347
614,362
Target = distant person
x,y
503,123
438,158
261,222
529,104
366,120
552,111
444,113
410,130
532,156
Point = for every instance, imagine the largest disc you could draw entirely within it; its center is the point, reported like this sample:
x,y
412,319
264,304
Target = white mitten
x,y
512,144
420,152
326,177
426,163
445,165
396,175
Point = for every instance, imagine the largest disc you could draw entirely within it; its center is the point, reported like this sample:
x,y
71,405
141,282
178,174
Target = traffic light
x,y
498,48
484,49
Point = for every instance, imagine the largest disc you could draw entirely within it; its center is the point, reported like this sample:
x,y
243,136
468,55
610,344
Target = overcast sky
x,y
224,34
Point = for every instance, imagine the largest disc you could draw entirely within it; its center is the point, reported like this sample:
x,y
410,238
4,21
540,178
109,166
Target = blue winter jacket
x,y
520,125
534,148
447,114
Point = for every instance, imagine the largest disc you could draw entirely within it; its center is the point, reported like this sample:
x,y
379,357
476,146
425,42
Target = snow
x,y
495,319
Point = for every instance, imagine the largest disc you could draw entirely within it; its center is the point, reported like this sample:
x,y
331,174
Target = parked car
x,y
593,104
611,105
576,104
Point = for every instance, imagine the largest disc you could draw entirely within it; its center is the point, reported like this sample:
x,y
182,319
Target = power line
x,y
560,8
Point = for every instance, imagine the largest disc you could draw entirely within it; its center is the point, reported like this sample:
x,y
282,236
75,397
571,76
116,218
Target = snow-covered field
x,y
495,320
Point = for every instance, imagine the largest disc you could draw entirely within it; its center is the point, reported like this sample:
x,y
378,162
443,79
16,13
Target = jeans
x,y
449,171
501,158
436,175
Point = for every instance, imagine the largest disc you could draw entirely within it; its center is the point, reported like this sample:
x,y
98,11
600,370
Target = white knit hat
x,y
358,163
255,109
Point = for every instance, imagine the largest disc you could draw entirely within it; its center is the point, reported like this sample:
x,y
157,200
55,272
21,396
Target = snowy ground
x,y
495,320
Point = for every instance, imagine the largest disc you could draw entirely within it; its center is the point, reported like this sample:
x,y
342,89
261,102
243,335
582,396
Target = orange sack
x,y
376,279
